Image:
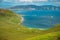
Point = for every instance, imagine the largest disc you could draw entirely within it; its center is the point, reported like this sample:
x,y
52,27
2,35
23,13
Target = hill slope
x,y
12,29
51,34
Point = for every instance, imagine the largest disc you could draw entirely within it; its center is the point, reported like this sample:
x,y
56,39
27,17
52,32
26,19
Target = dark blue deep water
x,y
40,18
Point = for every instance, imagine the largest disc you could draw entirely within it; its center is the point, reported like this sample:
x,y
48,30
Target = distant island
x,y
35,7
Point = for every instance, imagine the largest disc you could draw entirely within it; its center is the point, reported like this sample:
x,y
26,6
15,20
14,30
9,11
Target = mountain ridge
x,y
35,7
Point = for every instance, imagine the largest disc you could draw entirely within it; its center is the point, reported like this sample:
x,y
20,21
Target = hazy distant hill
x,y
34,7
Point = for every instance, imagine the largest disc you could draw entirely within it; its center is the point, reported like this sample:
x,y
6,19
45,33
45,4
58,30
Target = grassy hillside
x,y
12,29
51,34
48,36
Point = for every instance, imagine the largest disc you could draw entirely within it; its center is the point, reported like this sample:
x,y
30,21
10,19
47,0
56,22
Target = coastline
x,y
22,19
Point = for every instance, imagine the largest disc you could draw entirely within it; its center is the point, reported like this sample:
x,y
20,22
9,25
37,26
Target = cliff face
x,y
9,16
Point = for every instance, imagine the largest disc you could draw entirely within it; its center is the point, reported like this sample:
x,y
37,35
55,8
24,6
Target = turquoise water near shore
x,y
40,18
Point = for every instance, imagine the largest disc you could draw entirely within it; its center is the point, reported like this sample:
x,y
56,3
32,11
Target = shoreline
x,y
22,19
38,28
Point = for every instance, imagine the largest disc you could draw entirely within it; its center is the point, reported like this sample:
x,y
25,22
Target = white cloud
x,y
42,0
26,0
5,0
38,1
33,0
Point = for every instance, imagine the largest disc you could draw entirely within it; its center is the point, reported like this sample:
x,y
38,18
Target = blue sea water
x,y
36,18
40,18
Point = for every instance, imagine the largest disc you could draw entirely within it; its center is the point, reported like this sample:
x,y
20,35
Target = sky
x,y
28,2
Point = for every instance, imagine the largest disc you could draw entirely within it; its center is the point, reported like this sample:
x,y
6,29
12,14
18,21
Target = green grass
x,y
12,29
48,36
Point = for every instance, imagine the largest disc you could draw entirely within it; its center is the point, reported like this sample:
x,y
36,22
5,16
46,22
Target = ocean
x,y
39,18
